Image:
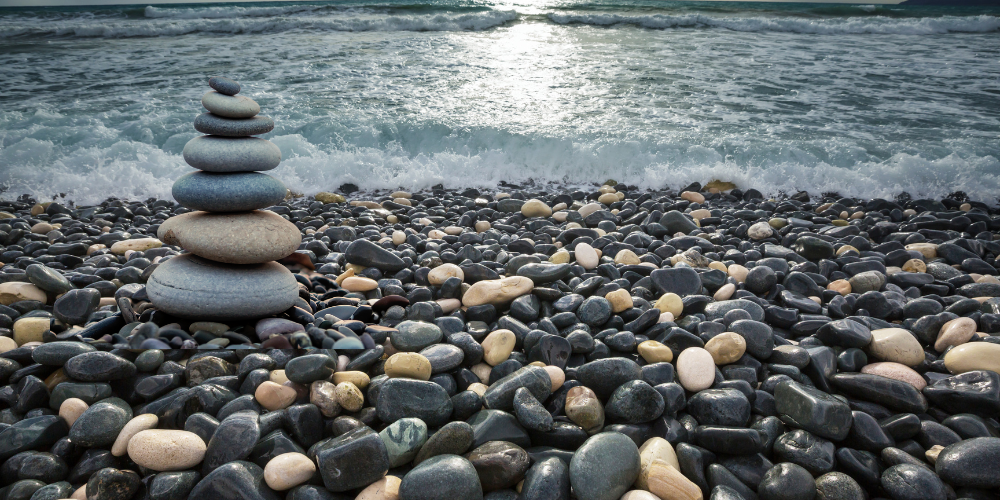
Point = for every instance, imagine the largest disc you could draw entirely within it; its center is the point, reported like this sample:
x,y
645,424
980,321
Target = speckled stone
x,y
224,85
192,287
229,106
228,154
227,192
208,123
243,238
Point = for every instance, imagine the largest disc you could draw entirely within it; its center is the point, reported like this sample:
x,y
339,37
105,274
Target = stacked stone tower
x,y
228,272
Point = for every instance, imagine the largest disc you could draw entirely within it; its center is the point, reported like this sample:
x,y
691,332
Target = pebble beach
x,y
601,344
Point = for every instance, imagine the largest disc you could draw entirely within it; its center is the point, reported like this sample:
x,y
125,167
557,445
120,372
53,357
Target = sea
x,y
861,100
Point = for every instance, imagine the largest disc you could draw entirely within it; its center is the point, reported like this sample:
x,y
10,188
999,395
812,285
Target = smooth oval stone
x,y
352,460
973,356
412,336
75,306
544,273
99,425
224,85
603,376
229,154
31,434
48,279
975,392
913,482
245,238
635,402
443,476
717,310
802,448
891,393
844,333
172,485
113,484
310,368
896,345
500,464
234,439
191,287
500,395
237,480
529,411
813,410
99,366
403,439
547,479
166,449
454,438
366,253
58,353
838,486
787,482
408,398
604,467
227,192
208,123
970,463
229,106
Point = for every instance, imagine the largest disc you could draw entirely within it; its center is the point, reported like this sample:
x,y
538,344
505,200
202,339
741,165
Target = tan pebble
x,y
726,348
560,257
932,453
955,332
695,369
278,377
386,488
639,495
482,370
738,272
606,189
166,449
655,352
665,317
896,345
655,448
973,356
274,396
668,483
701,213
80,493
16,291
724,292
357,378
671,303
133,427
344,275
693,197
436,234
440,274
556,375
138,244
989,278
842,287
497,292
586,256
359,284
718,266
607,198
896,371
846,248
589,208
585,409
288,470
482,226
323,394
620,300
349,396
408,365
42,228
497,346
30,330
928,250
477,388
915,266
626,257
449,306
535,208
965,207
6,344
71,409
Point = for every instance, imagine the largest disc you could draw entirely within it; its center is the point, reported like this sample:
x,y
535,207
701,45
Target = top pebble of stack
x,y
224,85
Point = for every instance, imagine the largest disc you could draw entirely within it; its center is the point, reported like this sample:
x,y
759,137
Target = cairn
x,y
229,271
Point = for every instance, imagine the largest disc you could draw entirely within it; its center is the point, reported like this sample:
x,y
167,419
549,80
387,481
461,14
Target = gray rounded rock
x,y
191,287
224,85
99,425
604,467
230,106
229,154
412,336
443,476
208,123
227,192
838,486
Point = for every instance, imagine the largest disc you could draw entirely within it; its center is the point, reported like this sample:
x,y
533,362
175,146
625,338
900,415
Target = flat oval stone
x,y
48,279
245,238
99,366
897,345
191,287
603,376
229,106
166,449
224,85
635,402
454,438
500,464
227,192
288,470
973,356
237,480
604,467
412,336
695,369
99,426
443,476
913,482
234,439
352,460
403,439
230,154
208,123
970,463
813,410
58,353
407,398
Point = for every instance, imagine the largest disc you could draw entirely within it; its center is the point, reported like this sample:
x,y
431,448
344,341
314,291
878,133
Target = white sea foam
x,y
819,26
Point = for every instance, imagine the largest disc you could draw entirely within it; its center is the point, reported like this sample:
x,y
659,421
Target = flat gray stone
x,y
228,192
230,106
224,85
208,123
231,154
191,287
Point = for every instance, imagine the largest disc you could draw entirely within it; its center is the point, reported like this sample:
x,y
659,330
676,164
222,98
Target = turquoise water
x,y
864,100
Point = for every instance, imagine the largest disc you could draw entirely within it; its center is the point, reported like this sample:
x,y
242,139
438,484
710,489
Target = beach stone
x,y
535,208
603,376
955,332
228,192
496,425
677,222
969,463
236,479
227,154
133,427
497,292
655,352
634,402
682,281
812,410
604,467
443,476
208,123
310,368
620,300
191,287
695,369
893,394
224,85
75,306
352,460
787,481
499,464
497,346
411,336
838,486
112,484
896,345
728,407
726,348
71,409
670,303
166,449
976,392
47,279
529,411
408,365
274,396
99,426
229,106
358,284
913,482
255,237
323,394
99,366
408,398
844,333
349,396
803,448
288,470
454,438
668,483
896,371
760,231
442,273
403,439
973,356
547,479
16,291
135,244
233,439
386,488
586,256
584,409
500,395
645,495
30,330
365,253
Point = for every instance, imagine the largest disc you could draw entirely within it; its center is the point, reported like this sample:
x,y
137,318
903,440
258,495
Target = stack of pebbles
x,y
228,272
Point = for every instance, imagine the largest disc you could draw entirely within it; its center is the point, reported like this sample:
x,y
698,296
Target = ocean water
x,y
863,100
